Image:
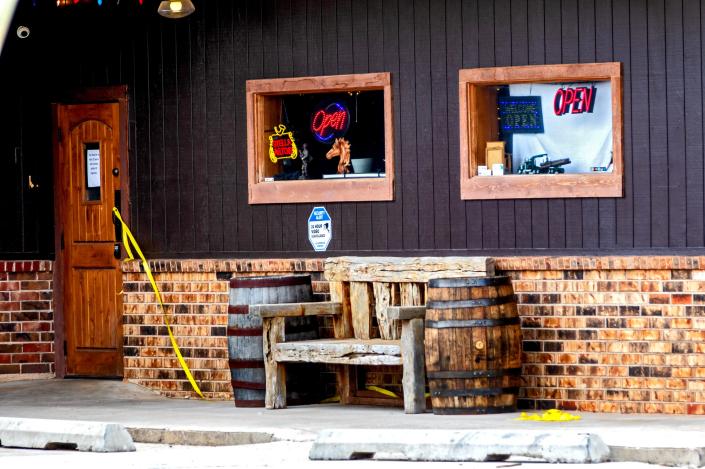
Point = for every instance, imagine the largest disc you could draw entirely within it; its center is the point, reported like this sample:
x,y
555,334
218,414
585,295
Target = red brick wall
x,y
621,334
26,320
196,296
607,334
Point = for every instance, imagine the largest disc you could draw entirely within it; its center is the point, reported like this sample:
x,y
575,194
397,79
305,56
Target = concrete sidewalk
x,y
151,418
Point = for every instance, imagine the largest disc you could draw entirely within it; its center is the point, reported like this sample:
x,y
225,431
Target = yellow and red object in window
x,y
282,144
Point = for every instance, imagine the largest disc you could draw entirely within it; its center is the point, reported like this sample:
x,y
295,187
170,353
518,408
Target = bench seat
x,y
340,351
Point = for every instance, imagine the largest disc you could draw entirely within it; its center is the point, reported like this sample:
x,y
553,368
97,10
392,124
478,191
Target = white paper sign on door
x,y
93,167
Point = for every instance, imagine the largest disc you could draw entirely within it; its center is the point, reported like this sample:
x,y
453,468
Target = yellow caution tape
x,y
386,392
128,239
551,415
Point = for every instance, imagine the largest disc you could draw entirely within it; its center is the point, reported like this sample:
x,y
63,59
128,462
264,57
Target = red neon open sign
x,y
329,122
574,100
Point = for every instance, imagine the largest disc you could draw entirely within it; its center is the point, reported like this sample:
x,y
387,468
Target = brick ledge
x,y
600,263
227,265
26,266
644,262
26,376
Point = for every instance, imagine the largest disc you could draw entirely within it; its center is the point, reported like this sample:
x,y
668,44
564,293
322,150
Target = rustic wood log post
x,y
342,323
383,300
342,329
412,356
411,294
362,304
275,393
345,382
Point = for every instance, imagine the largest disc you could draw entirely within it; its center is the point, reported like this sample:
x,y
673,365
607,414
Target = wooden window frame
x,y
315,190
529,186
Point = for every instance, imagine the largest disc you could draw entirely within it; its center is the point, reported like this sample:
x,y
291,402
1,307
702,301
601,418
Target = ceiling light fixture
x,y
176,8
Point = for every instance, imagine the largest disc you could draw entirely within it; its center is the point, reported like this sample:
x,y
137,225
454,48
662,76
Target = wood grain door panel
x,y
88,155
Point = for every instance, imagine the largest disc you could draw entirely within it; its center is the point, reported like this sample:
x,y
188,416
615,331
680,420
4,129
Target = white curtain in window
x,y
584,137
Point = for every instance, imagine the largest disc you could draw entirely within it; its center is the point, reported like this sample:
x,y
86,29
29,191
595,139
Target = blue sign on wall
x,y
320,228
520,114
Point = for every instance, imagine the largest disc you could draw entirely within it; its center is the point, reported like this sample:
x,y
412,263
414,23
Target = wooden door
x,y
88,185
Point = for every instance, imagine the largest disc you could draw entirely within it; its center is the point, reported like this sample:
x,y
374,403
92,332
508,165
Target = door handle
x,y
116,222
118,227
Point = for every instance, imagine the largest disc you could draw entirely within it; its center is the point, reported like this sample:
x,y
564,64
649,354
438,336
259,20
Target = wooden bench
x,y
408,351
391,289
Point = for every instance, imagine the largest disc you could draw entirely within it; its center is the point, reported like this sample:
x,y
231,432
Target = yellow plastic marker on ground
x,y
551,415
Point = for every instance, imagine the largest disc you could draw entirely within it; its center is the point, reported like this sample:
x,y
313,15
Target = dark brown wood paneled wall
x,y
26,217
188,135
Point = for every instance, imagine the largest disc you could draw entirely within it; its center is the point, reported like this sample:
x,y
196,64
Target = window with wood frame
x,y
544,131
320,139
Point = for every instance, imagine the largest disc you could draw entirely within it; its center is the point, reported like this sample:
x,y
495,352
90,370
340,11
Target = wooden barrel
x,y
245,334
472,345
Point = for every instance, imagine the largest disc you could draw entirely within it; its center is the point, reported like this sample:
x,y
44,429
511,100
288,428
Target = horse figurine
x,y
341,147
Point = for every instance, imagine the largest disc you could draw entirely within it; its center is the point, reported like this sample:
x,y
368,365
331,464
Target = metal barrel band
x,y
247,385
266,282
475,392
244,332
452,304
235,363
238,309
469,374
249,402
475,410
451,324
468,282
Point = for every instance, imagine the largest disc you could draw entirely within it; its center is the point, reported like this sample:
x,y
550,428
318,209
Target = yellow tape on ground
x,y
389,393
552,415
386,392
128,239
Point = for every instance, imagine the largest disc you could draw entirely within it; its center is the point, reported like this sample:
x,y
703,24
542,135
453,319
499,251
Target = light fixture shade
x,y
176,8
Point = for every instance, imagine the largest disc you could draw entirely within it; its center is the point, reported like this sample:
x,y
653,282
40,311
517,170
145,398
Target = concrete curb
x,y
588,445
681,457
468,445
198,437
668,456
66,434
207,437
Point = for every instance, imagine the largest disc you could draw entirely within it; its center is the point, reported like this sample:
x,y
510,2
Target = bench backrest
x,y
372,284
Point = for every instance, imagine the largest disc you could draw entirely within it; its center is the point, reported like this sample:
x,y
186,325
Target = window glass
x,y
329,136
320,139
92,163
555,128
541,131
